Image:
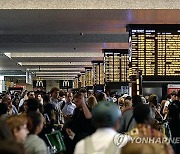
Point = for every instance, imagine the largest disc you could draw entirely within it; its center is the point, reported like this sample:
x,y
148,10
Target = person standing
x,y
144,130
56,104
80,125
69,106
106,118
11,108
33,143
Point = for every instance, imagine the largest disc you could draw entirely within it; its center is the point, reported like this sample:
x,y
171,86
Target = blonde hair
x,y
127,103
120,101
16,121
92,102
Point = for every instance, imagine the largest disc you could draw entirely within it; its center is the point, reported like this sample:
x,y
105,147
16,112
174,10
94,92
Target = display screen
x,y
76,83
155,50
116,65
82,80
89,76
98,72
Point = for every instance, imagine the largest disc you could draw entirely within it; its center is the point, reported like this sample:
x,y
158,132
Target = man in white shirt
x,y
69,107
105,117
173,98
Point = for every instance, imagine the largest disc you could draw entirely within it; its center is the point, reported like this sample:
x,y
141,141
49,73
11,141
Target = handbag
x,y
56,141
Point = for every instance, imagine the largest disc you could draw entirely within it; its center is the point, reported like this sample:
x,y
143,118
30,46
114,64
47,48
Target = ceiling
x,y
66,41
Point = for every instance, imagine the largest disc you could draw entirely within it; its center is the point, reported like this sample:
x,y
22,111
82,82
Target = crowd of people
x,y
88,122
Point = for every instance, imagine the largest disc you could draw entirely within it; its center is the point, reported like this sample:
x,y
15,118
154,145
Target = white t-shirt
x,y
101,140
167,103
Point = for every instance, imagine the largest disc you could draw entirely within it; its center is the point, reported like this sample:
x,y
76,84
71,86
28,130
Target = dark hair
x,y
28,93
77,95
34,120
141,113
46,98
3,108
168,96
11,147
136,100
173,93
54,89
128,98
32,104
100,96
61,93
82,90
178,94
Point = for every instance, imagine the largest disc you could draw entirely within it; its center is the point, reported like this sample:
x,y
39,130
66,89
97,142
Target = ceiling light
x,y
56,63
8,55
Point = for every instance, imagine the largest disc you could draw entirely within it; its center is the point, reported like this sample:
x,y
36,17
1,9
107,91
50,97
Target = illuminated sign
x,y
116,65
98,72
155,49
89,76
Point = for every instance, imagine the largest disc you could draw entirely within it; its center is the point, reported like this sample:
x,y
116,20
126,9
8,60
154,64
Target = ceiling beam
x,y
86,4
64,38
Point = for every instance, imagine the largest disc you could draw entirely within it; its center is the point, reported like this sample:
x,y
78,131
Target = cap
x,y
105,114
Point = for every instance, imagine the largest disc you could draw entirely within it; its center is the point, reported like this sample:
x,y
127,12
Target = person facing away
x,y
105,117
91,102
142,148
174,121
144,130
127,120
33,143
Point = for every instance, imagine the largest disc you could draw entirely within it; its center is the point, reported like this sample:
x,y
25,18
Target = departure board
x,y
89,76
155,49
98,72
76,82
116,65
82,79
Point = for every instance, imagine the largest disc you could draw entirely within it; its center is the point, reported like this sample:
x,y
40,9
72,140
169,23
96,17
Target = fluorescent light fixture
x,y
2,78
19,63
8,55
58,69
57,72
15,75
56,63
57,75
57,55
57,78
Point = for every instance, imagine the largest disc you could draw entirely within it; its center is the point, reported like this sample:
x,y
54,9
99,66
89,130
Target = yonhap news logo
x,y
121,140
